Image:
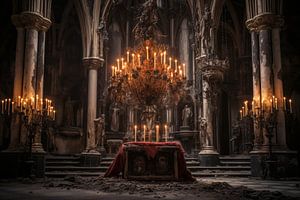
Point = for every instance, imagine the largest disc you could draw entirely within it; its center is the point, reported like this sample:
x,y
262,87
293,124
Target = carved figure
x,y
115,124
186,115
206,32
99,129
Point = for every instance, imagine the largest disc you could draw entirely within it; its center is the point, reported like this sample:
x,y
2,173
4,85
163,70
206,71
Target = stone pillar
x,y
16,119
281,133
212,75
37,145
256,86
92,63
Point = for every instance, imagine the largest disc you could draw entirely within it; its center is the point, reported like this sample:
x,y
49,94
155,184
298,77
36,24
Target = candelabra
x,y
264,115
35,114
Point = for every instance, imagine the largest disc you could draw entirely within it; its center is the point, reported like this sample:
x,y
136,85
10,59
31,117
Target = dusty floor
x,y
72,188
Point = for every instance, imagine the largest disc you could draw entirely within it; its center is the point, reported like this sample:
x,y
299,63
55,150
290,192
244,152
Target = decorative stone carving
x,y
264,21
187,113
99,130
92,62
35,21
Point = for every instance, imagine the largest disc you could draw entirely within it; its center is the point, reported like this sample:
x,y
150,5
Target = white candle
x,y
8,106
176,65
12,107
246,107
157,133
183,69
133,59
144,133
276,104
5,104
170,62
128,56
161,57
19,101
166,133
135,130
290,103
165,54
241,114
139,60
147,51
54,114
2,107
154,59
284,103
122,61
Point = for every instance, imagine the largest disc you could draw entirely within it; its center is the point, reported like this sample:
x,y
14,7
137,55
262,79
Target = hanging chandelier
x,y
147,76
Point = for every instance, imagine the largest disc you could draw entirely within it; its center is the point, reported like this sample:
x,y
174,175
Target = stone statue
x,y
206,32
186,115
205,138
115,124
99,129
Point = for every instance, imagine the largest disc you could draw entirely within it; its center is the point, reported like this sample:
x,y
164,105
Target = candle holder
x,y
36,116
264,118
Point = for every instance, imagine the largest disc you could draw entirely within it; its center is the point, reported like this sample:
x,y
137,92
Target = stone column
x,y
92,63
16,119
281,133
212,75
37,145
256,85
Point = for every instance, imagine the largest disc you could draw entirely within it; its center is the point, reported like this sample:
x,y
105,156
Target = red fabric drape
x,y
151,149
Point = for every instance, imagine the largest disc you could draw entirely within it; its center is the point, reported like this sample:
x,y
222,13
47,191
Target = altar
x,y
150,161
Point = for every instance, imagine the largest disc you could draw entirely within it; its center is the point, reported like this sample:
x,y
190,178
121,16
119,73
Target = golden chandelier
x,y
147,77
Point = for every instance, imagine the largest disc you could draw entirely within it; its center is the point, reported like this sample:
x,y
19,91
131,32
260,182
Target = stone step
x,y
59,174
107,159
62,158
192,163
235,158
191,159
105,163
75,168
218,168
62,163
222,174
236,163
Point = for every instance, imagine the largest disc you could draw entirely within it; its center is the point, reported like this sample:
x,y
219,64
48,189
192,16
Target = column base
x,y
90,159
279,164
208,157
37,148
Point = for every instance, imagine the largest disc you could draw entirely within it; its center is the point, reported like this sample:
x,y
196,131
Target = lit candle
x,y
154,59
170,62
166,133
128,56
12,107
290,104
183,69
252,107
54,114
271,100
161,57
176,65
241,114
157,133
135,130
243,111
246,107
5,104
139,60
8,106
133,59
276,105
122,61
144,133
165,54
147,51
284,103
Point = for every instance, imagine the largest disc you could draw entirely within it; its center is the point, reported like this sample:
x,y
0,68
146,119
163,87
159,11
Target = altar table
x,y
150,161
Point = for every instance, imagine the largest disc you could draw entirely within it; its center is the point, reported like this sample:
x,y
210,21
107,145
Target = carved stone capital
x,y
264,21
36,21
92,62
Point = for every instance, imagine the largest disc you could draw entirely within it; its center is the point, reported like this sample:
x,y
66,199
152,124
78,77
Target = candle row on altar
x,y
159,63
157,133
26,106
270,105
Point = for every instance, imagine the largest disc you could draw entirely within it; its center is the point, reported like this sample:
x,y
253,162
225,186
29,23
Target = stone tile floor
x,y
287,187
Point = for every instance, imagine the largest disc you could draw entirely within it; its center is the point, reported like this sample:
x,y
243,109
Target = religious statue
x,y
204,135
206,32
186,115
99,130
115,124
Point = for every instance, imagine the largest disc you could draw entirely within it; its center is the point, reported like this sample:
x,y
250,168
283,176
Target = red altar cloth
x,y
151,149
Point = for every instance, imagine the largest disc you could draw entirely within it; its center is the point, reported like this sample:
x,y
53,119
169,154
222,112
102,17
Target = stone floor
x,y
73,188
